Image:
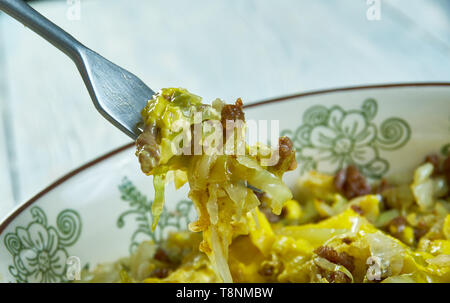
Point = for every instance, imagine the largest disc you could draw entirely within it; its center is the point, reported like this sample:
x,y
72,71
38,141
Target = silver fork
x,y
117,94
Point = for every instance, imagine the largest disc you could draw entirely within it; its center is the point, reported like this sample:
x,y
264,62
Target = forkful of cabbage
x,y
204,145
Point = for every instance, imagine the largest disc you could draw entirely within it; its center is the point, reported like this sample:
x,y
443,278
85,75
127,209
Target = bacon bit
x,y
232,112
433,159
161,255
160,273
347,241
357,209
266,269
351,183
333,256
399,223
285,147
286,152
400,220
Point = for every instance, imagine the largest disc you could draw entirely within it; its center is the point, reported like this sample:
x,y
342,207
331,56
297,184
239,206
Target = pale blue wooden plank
x,y
7,200
430,17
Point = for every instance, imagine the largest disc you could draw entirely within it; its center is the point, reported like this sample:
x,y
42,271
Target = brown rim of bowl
x,y
69,175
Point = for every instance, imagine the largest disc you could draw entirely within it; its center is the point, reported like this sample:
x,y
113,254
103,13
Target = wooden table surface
x,y
254,49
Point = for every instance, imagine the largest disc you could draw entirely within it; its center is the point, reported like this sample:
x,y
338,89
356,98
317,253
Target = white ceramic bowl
x,y
101,211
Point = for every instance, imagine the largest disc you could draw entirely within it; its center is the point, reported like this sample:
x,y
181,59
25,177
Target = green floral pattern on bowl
x,y
39,251
140,208
331,138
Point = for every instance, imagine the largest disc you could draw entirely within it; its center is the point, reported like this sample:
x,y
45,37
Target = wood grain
x,y
6,158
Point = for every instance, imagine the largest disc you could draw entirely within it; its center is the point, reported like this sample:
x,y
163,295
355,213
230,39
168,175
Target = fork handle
x,y
25,14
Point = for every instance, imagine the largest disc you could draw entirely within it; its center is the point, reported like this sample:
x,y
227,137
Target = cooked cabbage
x,y
254,230
219,183
366,239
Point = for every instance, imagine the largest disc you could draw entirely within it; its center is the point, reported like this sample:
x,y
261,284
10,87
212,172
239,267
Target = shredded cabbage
x,y
320,236
218,182
254,229
158,203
